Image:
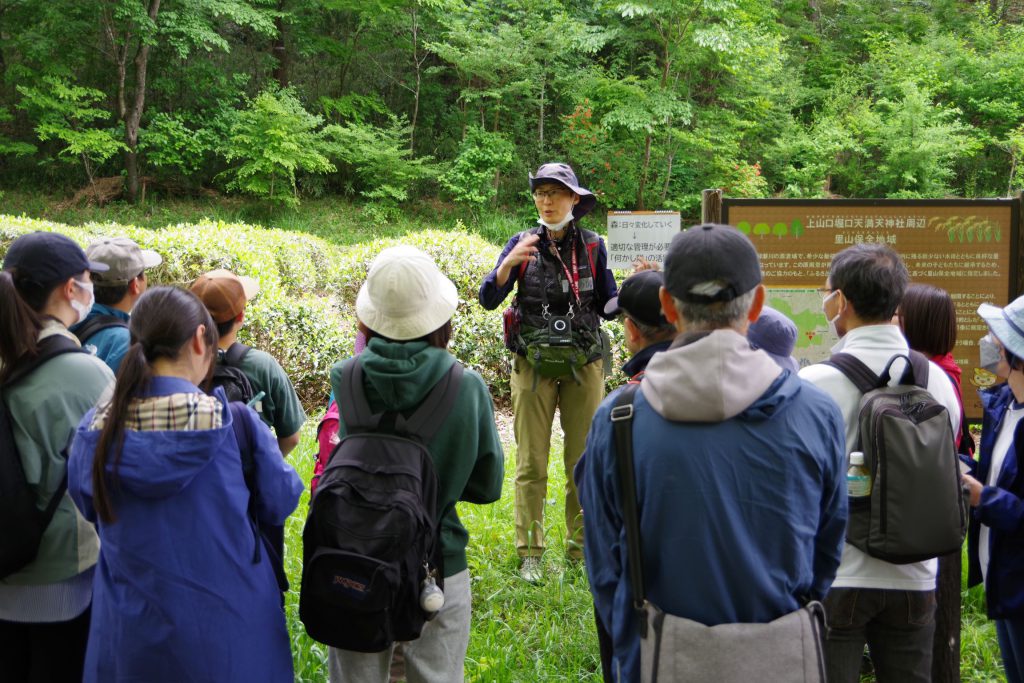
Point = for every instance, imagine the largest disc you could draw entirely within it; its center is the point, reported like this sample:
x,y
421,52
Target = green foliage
x,y
471,178
379,158
64,112
273,138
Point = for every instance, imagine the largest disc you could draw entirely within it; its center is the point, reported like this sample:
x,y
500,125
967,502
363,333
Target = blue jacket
x,y
176,595
1002,510
112,343
741,488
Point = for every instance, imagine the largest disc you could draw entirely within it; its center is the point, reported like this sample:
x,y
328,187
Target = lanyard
x,y
574,276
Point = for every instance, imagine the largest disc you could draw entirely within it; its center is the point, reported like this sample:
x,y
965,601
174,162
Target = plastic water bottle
x,y
858,477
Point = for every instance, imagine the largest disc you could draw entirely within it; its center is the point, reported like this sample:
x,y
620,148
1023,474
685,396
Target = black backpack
x,y
98,323
229,376
372,537
22,523
917,508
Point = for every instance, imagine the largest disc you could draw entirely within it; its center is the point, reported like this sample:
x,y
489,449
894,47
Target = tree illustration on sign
x,y
762,229
969,229
796,228
780,230
744,227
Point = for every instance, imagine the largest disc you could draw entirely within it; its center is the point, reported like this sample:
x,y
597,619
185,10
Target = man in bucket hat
x,y
562,283
740,478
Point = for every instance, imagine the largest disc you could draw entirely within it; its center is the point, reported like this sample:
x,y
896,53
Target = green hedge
x,y
305,314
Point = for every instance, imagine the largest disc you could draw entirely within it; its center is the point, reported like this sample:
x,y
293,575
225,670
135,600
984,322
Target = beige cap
x,y
123,257
224,294
405,295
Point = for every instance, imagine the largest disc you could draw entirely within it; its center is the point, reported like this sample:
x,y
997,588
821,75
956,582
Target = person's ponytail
x,y
132,376
19,326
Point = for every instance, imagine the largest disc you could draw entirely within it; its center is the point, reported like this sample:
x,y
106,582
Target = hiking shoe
x,y
531,570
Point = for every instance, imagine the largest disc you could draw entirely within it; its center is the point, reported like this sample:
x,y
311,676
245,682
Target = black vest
x,y
547,273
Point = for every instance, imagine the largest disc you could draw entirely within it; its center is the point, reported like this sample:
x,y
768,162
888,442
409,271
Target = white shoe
x,y
531,570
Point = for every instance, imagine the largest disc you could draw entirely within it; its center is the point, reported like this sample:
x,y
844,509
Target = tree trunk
x,y
643,174
418,65
280,50
946,644
540,118
133,116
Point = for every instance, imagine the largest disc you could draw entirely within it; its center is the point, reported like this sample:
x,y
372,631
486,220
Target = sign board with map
x,y
967,247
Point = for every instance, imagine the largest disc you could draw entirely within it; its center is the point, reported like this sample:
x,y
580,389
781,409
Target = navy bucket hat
x,y
564,176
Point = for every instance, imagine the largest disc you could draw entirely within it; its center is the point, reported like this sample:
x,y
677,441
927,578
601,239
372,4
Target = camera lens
x,y
559,326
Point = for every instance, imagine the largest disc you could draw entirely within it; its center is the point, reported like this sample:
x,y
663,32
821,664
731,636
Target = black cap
x,y
638,298
710,263
48,257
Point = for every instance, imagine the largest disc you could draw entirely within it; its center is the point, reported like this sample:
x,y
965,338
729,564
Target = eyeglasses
x,y
541,195
824,292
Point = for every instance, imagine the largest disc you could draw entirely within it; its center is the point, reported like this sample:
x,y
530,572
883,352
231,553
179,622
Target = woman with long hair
x,y
185,590
47,385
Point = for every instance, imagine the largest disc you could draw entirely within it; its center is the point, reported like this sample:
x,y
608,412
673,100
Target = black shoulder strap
x,y
920,368
235,354
352,404
432,412
98,323
243,437
856,371
622,421
50,347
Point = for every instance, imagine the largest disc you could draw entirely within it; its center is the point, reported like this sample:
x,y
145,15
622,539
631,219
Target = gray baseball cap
x,y
124,259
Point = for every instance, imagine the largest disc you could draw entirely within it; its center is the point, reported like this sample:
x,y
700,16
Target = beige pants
x,y
534,414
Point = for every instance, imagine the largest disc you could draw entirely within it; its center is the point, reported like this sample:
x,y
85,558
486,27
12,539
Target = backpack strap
x,y
622,423
431,413
355,409
856,371
243,437
49,347
98,323
235,354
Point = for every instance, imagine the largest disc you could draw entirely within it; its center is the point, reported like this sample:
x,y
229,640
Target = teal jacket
x,y
466,450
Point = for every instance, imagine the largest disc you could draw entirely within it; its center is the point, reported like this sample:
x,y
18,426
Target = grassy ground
x,y
522,632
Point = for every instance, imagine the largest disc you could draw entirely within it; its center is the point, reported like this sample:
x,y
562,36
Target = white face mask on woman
x,y
988,352
83,310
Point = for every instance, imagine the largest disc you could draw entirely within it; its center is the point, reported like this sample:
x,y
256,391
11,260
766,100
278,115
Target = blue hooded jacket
x,y
177,596
741,489
1002,510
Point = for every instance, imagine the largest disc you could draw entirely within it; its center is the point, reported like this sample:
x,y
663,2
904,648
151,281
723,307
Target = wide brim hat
x,y
566,177
405,295
1007,324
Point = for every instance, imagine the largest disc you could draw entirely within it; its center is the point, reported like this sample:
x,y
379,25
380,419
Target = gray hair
x,y
714,316
653,332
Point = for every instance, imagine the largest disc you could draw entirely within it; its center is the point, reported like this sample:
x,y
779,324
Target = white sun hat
x,y
405,295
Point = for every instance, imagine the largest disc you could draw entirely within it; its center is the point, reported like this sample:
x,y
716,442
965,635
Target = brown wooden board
x,y
967,247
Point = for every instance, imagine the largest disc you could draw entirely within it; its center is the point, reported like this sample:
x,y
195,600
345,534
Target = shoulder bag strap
x,y
235,354
622,422
240,426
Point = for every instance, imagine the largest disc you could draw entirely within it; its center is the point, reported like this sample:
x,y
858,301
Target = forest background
x,y
453,101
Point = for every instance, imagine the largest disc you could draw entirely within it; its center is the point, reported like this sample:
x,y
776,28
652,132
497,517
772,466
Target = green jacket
x,y
466,450
46,407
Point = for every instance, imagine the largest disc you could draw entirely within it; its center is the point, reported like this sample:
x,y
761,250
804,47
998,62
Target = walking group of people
x,y
160,494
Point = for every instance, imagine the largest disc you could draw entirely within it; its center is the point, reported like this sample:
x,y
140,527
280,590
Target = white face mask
x,y
988,353
832,323
560,224
83,310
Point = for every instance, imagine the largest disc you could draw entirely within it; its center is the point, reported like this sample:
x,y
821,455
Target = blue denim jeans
x,y
1011,645
898,627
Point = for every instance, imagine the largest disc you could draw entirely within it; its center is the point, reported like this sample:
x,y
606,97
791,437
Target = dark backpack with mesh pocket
x,y
917,508
22,523
97,324
372,536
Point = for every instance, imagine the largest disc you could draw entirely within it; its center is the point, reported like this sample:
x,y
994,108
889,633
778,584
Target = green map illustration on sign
x,y
803,307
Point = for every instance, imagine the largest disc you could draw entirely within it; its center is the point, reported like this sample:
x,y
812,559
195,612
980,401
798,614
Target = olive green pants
x,y
534,415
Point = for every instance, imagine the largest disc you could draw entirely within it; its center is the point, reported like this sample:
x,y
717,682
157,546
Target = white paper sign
x,y
632,234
